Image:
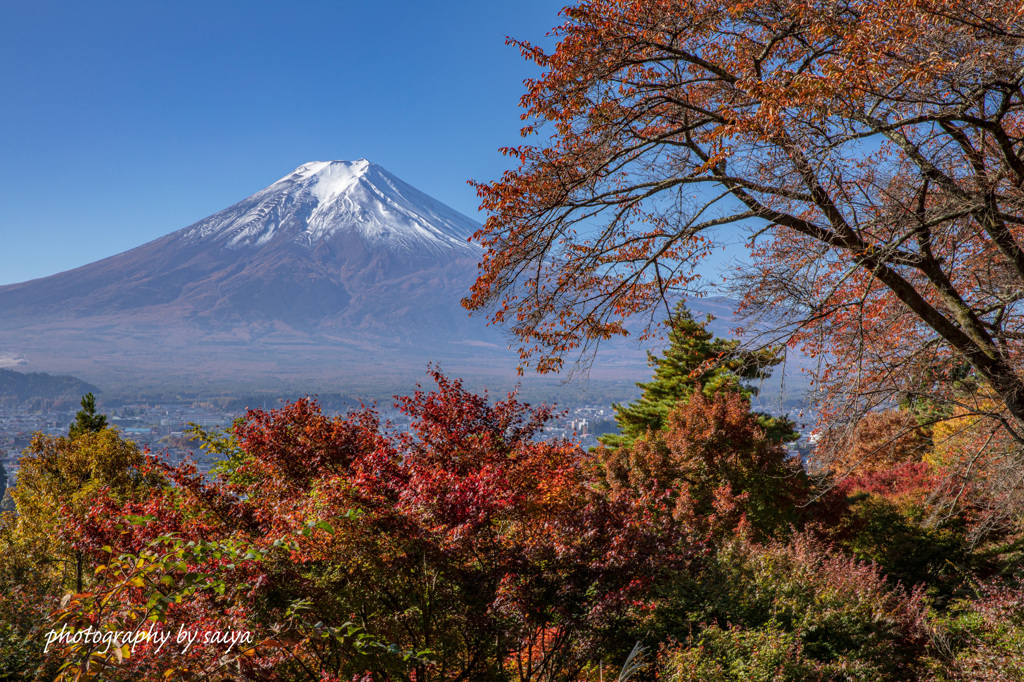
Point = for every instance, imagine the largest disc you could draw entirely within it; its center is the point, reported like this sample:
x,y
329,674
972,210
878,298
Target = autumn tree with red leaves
x,y
718,469
463,549
871,151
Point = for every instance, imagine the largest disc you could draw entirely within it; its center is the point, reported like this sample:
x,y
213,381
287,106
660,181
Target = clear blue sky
x,y
123,121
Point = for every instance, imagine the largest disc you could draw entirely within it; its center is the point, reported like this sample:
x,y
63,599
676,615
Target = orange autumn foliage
x,y
880,440
868,150
716,468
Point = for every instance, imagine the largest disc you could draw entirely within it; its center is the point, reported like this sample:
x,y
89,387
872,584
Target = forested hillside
x,y
26,385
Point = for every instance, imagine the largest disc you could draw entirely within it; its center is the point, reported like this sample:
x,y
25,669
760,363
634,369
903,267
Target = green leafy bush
x,y
794,610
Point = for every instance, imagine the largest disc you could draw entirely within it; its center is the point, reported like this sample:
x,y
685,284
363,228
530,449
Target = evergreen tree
x,y
695,357
86,419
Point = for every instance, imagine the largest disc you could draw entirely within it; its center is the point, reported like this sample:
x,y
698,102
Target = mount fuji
x,y
332,244
334,271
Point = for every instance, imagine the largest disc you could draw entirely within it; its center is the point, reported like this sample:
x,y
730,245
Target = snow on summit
x,y
335,265
320,200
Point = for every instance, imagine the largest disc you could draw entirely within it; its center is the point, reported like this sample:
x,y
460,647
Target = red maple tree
x,y
459,549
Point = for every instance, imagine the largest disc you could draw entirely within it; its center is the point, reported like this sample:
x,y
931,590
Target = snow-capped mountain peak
x,y
322,200
329,178
328,269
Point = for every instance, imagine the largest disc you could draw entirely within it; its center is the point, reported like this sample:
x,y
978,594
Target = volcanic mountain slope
x,y
333,245
332,270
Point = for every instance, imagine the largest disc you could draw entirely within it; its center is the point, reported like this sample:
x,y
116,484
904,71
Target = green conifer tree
x,y
695,357
86,419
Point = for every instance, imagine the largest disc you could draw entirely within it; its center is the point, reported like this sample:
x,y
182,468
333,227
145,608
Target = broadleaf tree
x,y
466,539
60,477
872,152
